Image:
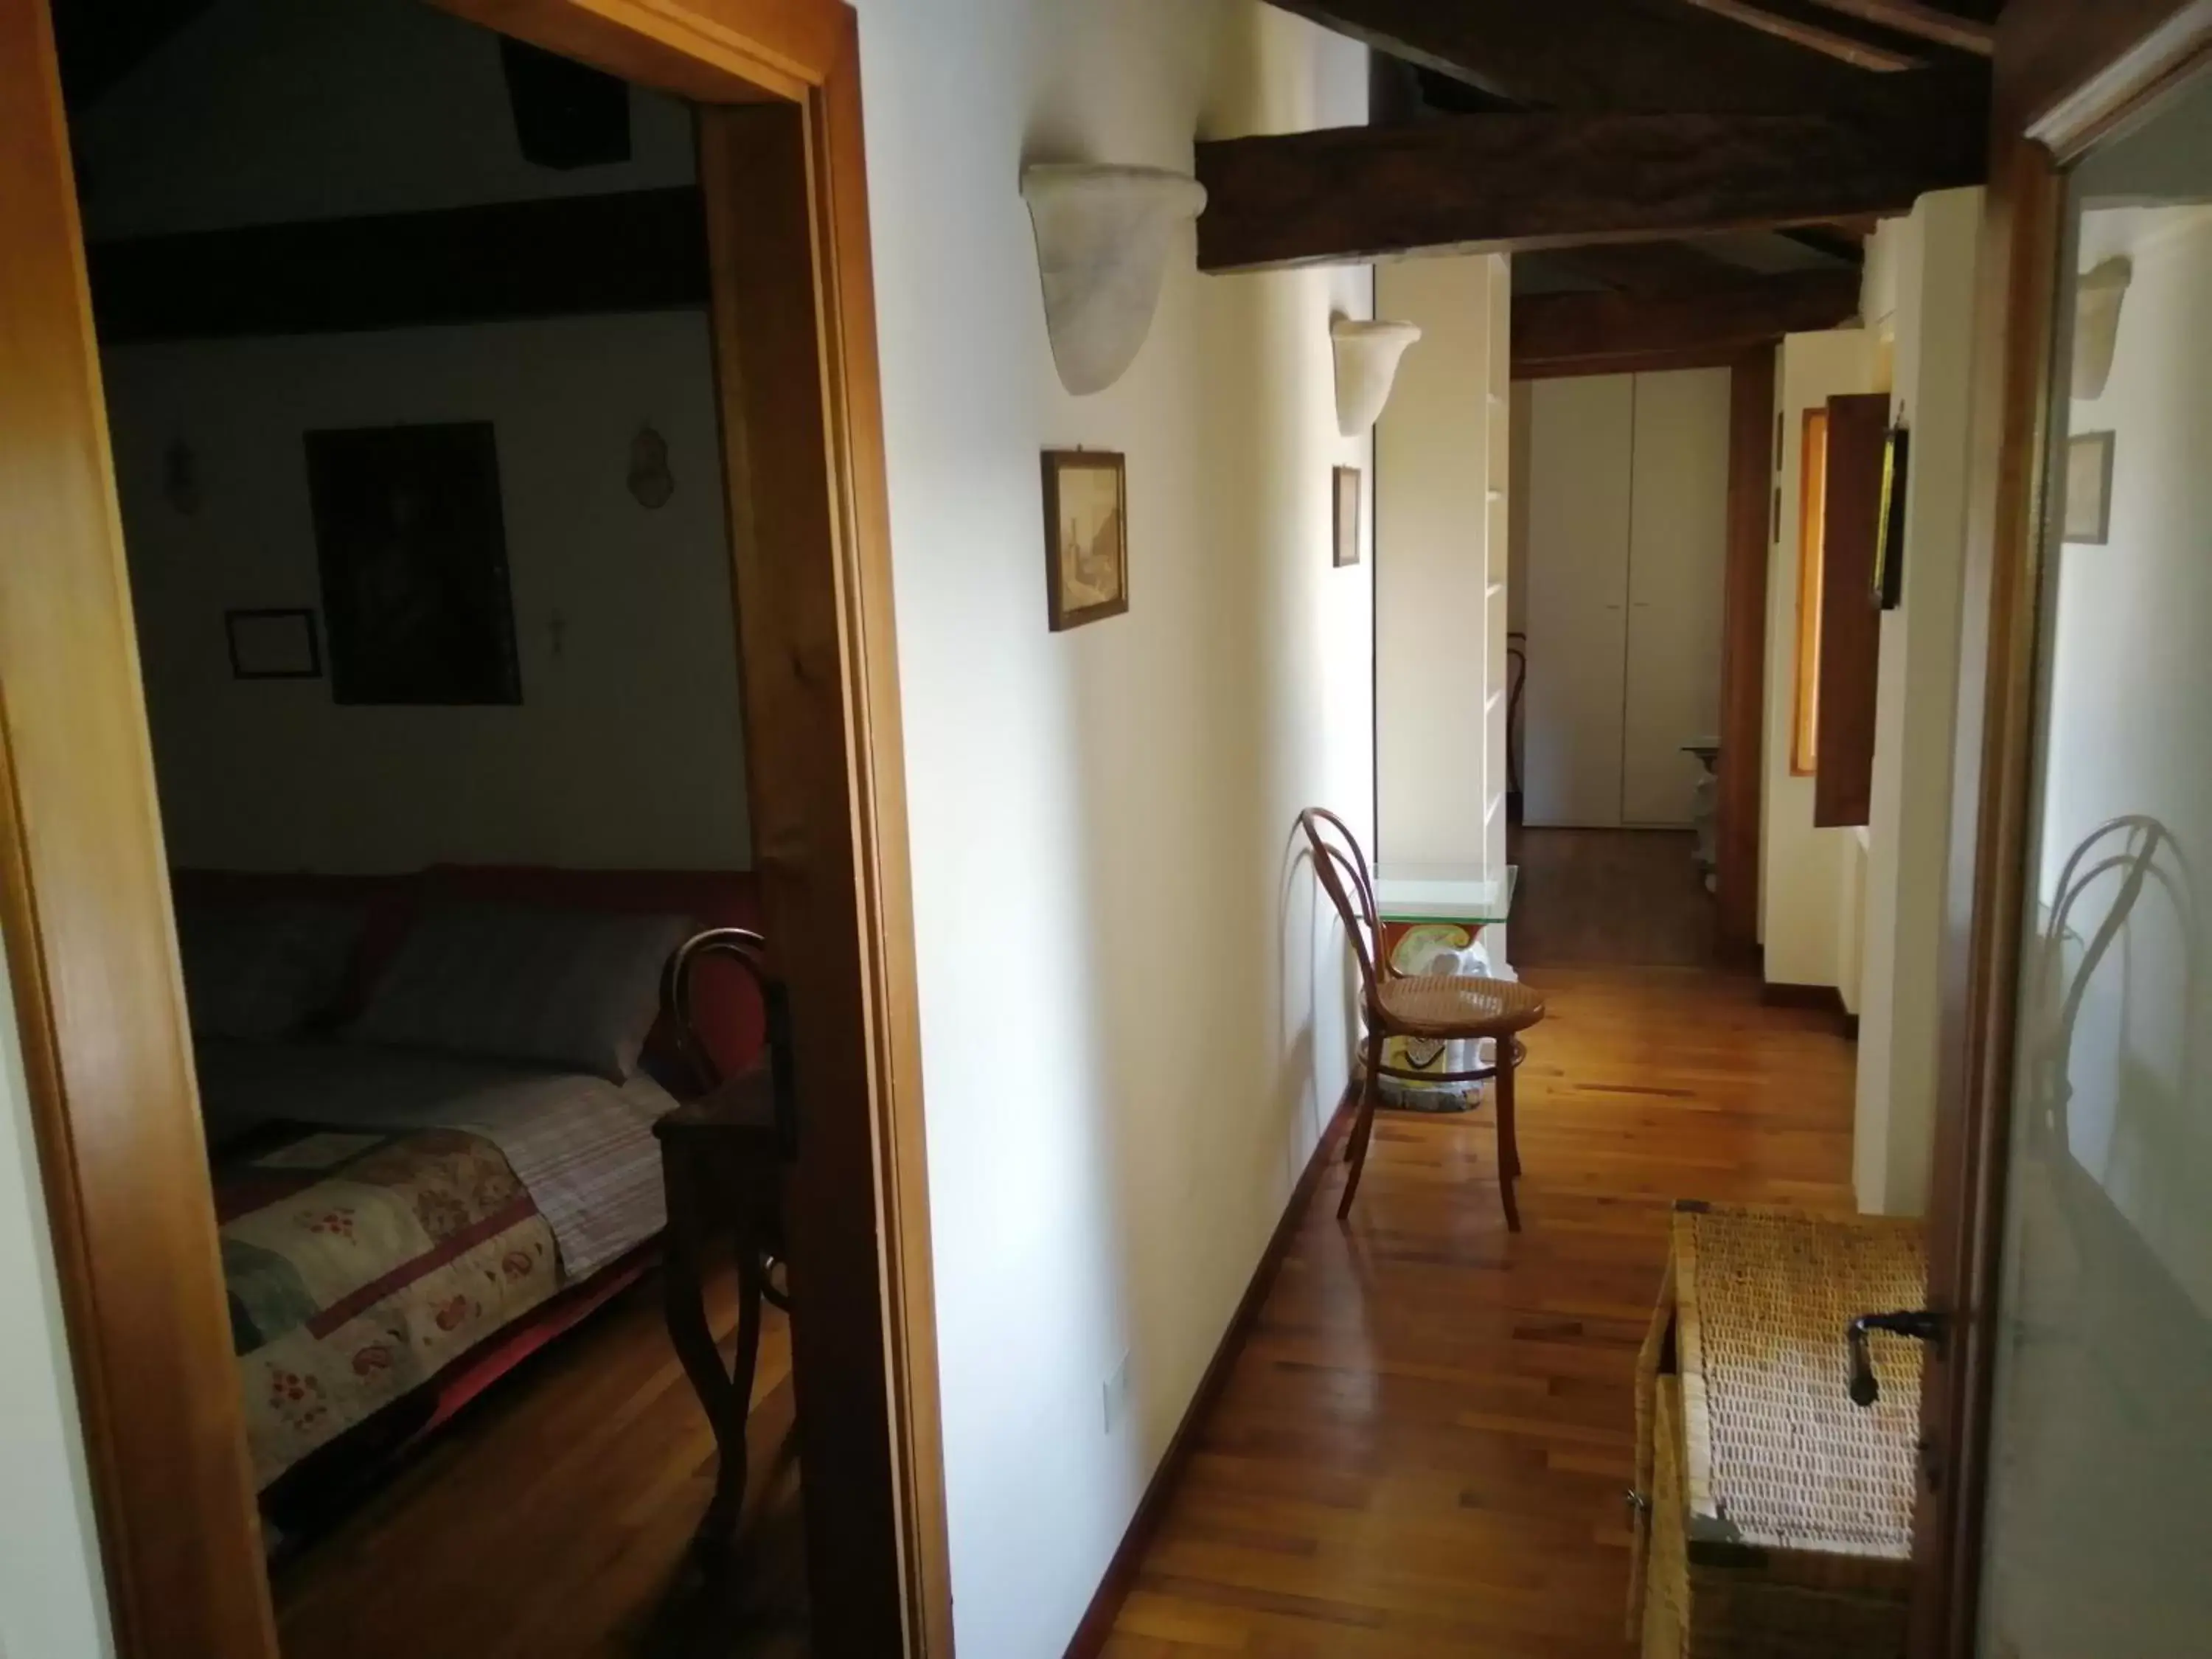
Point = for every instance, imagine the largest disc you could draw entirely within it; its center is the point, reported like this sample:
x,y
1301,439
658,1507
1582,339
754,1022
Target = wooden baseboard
x,y
1090,1638
1826,998
1821,998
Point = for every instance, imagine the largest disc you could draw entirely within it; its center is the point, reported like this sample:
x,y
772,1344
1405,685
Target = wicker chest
x,y
1775,1517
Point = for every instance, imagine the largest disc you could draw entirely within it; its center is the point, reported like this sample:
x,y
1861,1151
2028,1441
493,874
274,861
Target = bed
x,y
430,1139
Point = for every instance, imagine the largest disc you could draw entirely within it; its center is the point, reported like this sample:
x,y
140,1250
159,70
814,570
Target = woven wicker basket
x,y
1777,1518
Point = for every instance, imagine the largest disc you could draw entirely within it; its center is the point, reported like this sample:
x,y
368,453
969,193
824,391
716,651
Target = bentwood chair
x,y
723,1153
1428,1007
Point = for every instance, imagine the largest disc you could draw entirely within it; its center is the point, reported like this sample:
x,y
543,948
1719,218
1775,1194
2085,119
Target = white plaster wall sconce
x,y
1103,235
1367,355
2097,325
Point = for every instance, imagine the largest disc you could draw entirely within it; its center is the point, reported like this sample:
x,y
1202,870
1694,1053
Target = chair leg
x,y
1364,1128
1374,1047
1508,1148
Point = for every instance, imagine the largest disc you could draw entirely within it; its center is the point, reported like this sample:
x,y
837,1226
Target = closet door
x,y
1579,517
1677,548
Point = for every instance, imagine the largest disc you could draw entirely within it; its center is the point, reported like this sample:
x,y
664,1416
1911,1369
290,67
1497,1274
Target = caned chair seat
x,y
1445,1006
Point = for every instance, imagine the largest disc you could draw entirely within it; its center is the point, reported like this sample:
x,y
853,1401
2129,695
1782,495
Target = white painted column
x,y
1441,464
1909,828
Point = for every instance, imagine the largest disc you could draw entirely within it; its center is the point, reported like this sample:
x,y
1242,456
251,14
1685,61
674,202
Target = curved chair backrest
x,y
749,951
1342,868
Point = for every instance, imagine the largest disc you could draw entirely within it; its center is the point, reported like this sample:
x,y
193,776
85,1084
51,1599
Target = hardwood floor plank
x,y
553,1520
1422,1448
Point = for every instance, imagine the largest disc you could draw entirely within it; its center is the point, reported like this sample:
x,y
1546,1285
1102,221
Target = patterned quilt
x,y
362,1262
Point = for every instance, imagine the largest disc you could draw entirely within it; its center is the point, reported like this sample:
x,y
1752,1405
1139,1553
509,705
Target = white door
x,y
1579,437
1677,553
2101,1435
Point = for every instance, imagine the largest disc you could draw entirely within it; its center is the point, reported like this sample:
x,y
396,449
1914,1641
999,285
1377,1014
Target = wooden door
x,y
1579,450
1677,560
2063,1451
84,907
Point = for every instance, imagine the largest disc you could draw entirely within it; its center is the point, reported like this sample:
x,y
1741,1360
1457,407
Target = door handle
x,y
1922,1324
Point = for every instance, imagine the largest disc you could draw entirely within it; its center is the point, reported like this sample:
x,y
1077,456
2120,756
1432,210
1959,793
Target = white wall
x,y
52,1602
1441,511
1804,869
1133,1020
2130,693
626,749
1919,297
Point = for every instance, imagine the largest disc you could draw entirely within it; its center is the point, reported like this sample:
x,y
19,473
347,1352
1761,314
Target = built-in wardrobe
x,y
1624,521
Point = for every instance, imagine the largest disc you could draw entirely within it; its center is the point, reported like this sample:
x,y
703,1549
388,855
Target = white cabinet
x,y
1579,441
1627,522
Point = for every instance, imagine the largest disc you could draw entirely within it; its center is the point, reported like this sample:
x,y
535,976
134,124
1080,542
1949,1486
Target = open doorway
x,y
1620,531
786,407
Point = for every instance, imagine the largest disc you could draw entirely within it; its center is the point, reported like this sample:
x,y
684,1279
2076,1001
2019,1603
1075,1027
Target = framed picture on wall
x,y
1348,480
1086,543
273,645
2089,488
412,546
1889,528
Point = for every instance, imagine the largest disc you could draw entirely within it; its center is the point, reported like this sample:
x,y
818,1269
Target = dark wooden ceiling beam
x,y
563,256
1562,334
1946,29
1500,182
1801,27
1619,55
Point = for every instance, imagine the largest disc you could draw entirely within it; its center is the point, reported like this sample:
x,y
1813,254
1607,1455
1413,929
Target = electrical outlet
x,y
1116,1391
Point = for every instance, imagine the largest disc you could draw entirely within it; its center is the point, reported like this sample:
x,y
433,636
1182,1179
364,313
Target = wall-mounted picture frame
x,y
1889,534
412,541
1087,541
1346,485
278,644
2089,488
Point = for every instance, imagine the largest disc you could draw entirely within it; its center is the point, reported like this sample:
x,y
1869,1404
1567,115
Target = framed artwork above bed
x,y
412,546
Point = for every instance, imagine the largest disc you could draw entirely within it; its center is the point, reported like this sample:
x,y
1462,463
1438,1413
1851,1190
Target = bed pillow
x,y
576,990
268,968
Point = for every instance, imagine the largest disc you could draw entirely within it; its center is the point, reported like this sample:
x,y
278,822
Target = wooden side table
x,y
722,1172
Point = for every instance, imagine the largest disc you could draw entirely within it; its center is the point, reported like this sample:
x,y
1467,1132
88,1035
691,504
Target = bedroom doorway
x,y
85,894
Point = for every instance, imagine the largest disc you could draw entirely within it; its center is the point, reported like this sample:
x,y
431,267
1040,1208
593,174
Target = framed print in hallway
x,y
273,645
412,546
1086,545
2089,488
1348,482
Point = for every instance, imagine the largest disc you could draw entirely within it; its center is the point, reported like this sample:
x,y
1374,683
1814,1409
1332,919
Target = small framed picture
x,y
1889,537
273,645
2089,488
1086,542
1347,515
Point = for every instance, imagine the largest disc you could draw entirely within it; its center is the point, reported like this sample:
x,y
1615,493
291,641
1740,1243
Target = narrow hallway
x,y
1424,1442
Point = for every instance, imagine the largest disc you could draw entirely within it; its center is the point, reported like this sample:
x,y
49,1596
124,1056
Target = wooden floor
x,y
553,1520
1422,1446
1627,896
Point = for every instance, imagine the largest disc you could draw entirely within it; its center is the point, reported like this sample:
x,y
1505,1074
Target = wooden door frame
x,y
2067,75
84,896
1739,773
